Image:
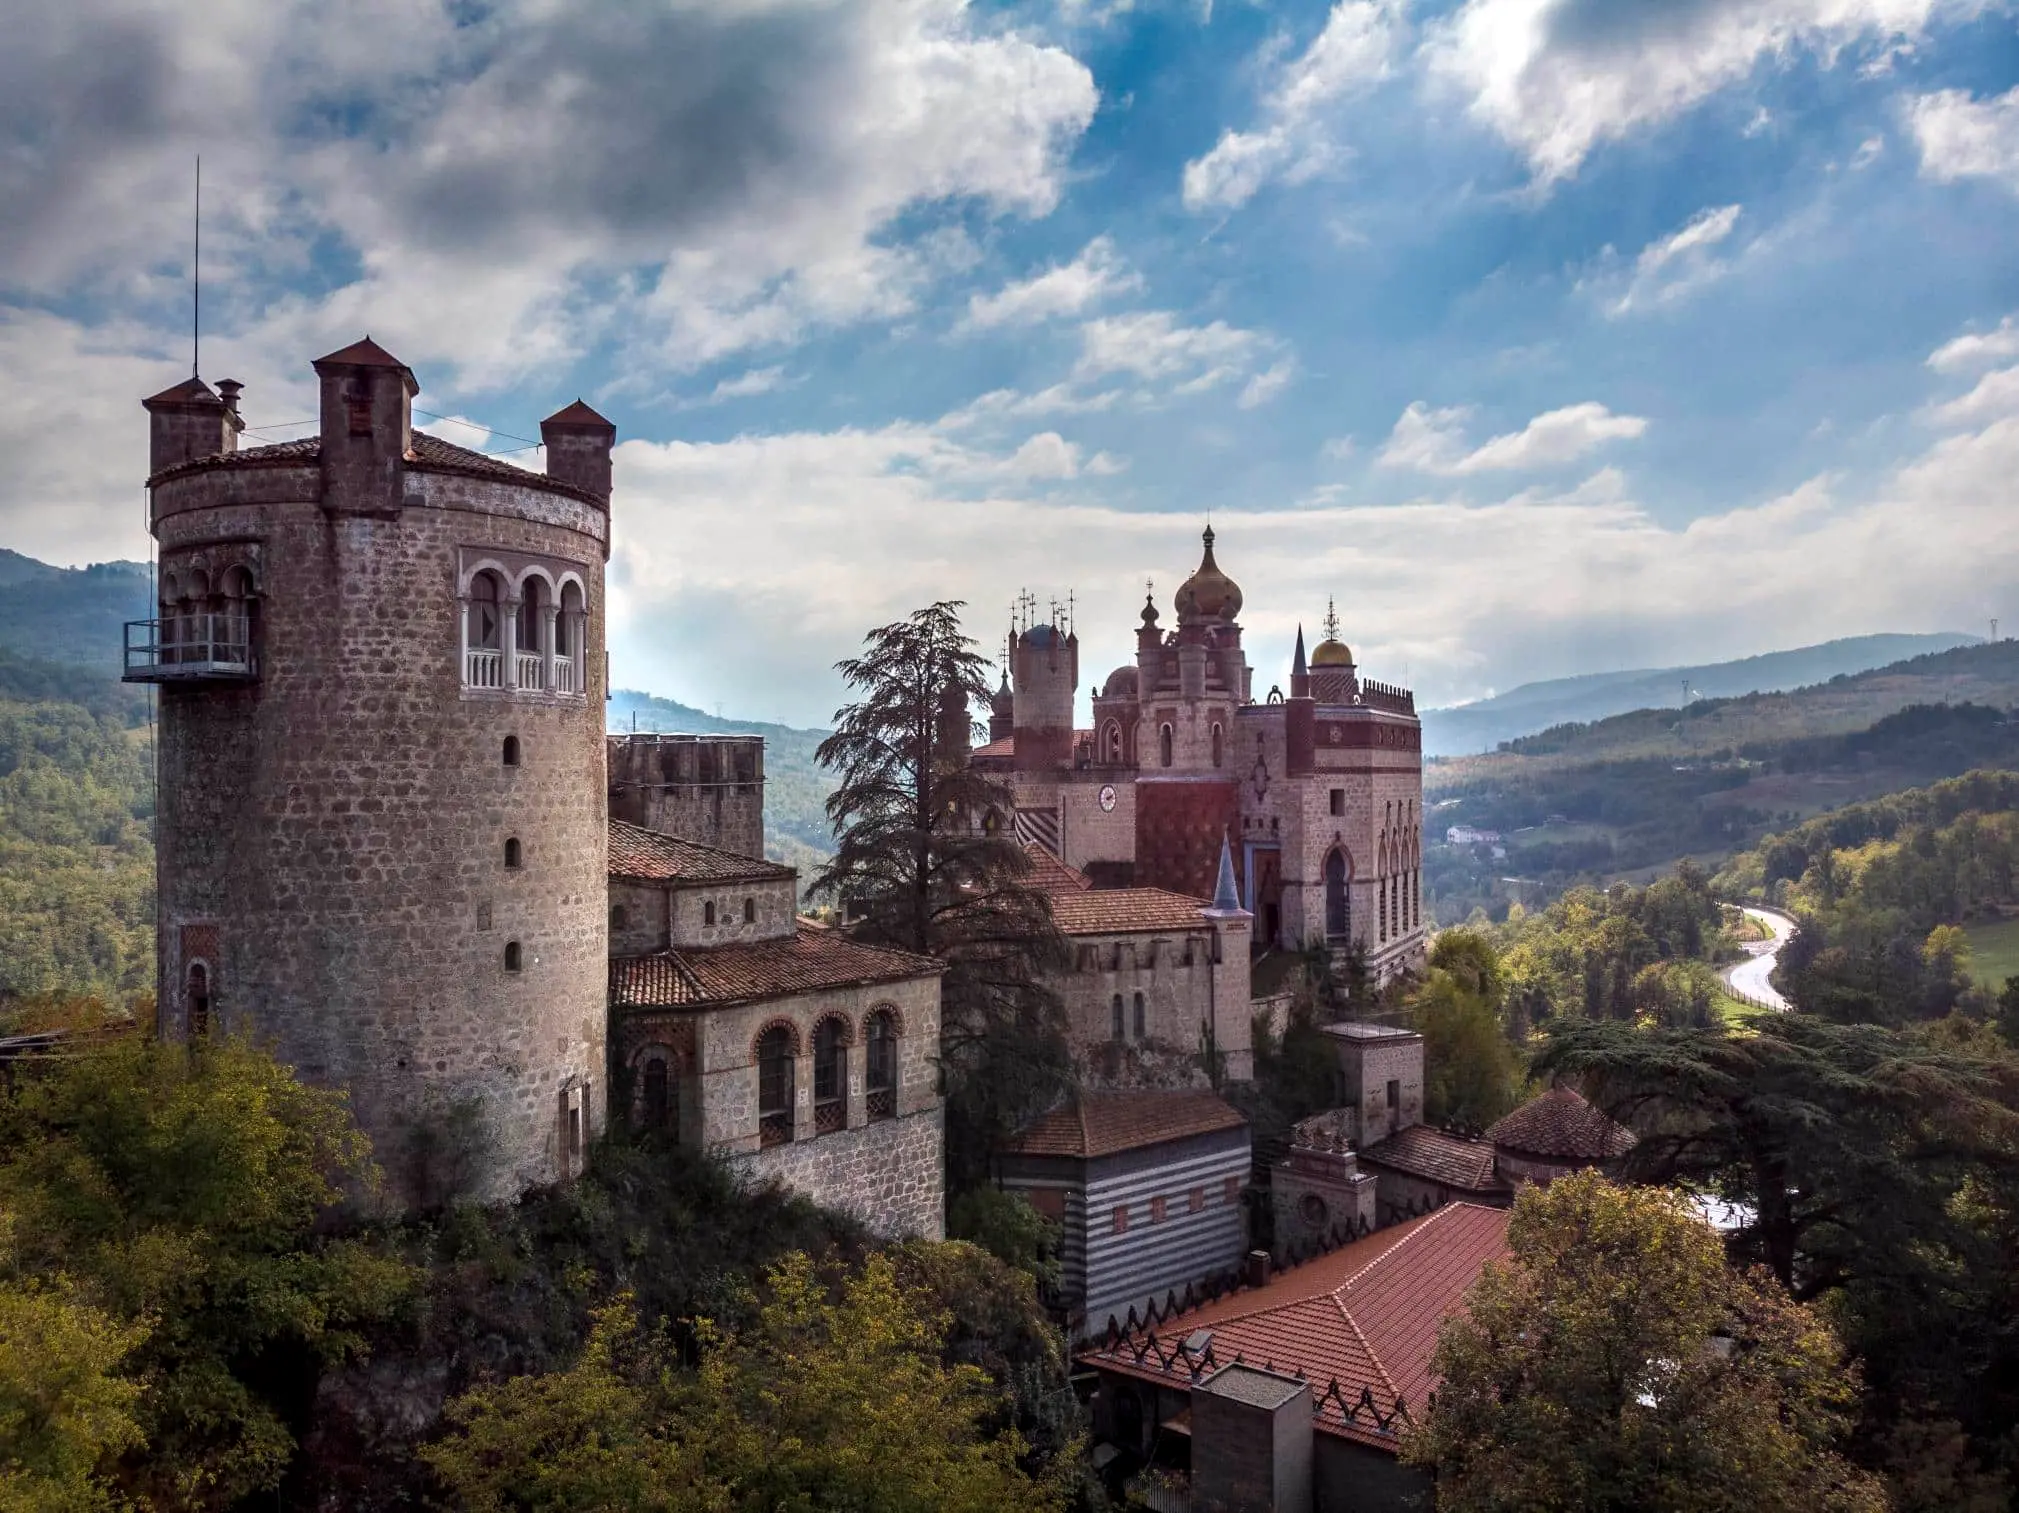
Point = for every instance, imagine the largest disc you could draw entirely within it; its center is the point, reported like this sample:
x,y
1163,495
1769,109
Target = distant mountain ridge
x,y
1590,697
71,614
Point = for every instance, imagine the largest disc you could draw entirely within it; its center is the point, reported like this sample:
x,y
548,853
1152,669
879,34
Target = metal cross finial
x,y
1331,620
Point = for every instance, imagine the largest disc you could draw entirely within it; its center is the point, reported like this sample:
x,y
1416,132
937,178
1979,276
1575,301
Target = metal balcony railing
x,y
193,648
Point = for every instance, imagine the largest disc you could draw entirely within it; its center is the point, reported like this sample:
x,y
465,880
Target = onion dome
x,y
1563,1126
1121,684
1208,594
1002,701
1149,611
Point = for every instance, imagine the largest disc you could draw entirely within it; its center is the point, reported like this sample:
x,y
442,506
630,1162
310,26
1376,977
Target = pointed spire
x,y
1297,667
1226,897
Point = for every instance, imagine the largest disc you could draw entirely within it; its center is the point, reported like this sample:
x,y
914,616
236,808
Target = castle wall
x,y
1179,827
773,905
701,788
331,837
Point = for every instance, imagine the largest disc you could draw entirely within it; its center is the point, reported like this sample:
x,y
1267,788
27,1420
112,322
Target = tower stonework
x,y
383,815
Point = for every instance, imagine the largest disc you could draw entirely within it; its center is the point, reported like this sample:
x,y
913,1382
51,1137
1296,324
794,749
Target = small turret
x,y
1002,710
1300,675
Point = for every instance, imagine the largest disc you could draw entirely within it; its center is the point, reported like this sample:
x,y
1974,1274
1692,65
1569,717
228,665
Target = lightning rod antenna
x,y
196,277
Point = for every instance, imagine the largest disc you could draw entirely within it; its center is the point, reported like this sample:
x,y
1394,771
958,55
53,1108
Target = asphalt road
x,y
1749,978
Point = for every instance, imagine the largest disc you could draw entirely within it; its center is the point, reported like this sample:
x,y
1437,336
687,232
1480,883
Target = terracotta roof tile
x,y
1102,1123
577,414
191,388
1435,1156
1365,1316
1052,875
1006,747
1561,1123
648,856
363,353
805,961
429,454
1124,911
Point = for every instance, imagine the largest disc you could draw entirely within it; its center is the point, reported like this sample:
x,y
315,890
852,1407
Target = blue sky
x,y
1544,335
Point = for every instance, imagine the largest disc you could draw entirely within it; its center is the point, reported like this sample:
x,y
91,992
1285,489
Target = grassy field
x,y
1994,951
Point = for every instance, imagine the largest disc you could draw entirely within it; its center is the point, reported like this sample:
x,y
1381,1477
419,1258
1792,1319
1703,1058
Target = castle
x,y
385,839
1300,818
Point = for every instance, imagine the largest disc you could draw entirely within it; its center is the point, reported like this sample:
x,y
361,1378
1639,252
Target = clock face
x,y
1107,797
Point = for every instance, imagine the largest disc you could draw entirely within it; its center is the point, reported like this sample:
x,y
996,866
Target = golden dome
x,y
1209,593
1331,653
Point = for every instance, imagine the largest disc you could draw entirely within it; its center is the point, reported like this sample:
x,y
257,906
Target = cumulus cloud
x,y
1962,137
747,385
1679,264
1433,441
1977,349
1156,348
1442,586
1556,78
1993,397
1097,274
1292,140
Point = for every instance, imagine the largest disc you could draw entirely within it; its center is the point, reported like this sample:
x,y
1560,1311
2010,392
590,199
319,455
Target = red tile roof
x,y
1052,875
648,856
1006,747
805,961
576,414
364,353
1364,1317
1562,1124
191,388
429,454
1125,911
1102,1123
1453,1160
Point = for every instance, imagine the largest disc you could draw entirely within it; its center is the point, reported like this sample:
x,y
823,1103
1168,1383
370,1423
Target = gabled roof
x,y
1364,1317
1051,875
1125,911
1562,1124
1006,747
364,353
191,388
577,414
805,961
1452,1160
642,855
1102,1123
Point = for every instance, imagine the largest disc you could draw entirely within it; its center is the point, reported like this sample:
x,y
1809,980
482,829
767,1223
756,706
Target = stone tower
x,y
383,811
1047,667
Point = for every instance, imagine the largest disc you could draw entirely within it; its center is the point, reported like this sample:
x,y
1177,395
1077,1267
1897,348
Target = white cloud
x,y
1962,137
1063,289
1678,264
1977,350
1293,140
1152,346
1446,586
1433,441
1264,387
747,385
1994,397
1555,78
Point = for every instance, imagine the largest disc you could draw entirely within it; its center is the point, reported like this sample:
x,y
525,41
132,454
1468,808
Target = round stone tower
x,y
382,828
1047,666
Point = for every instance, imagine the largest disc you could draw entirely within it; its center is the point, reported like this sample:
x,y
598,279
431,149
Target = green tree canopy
x,y
1471,1074
827,1401
1614,1362
183,1191
921,869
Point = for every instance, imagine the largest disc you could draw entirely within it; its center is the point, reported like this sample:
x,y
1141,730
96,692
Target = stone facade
x,y
701,788
1381,1079
392,872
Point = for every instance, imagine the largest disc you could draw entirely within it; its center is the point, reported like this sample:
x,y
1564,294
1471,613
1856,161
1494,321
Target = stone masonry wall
x,y
701,788
889,1174
340,824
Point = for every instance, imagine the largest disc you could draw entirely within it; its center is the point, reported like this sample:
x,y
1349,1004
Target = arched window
x,y
774,1086
656,1103
708,912
830,1077
750,911
880,1075
236,628
1121,1024
1338,907
1164,744
1141,1027
1219,742
512,853
529,628
511,752
514,957
1111,743
484,633
196,1000
570,642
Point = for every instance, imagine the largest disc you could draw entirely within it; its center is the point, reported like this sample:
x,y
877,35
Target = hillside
x,y
74,615
1521,711
1638,791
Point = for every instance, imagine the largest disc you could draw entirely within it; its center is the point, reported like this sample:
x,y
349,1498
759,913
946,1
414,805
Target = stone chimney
x,y
190,421
578,443
367,428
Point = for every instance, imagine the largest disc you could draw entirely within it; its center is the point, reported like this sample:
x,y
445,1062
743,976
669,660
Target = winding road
x,y
1749,979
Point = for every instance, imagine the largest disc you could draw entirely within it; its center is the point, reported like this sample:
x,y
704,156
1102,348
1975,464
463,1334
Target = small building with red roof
x,y
1324,1364
1553,1135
